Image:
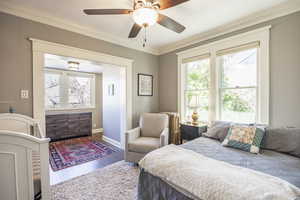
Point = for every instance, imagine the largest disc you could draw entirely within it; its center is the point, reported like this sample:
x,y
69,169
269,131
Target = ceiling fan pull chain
x,y
145,37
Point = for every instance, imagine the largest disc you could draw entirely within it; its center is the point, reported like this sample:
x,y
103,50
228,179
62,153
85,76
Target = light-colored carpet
x,y
114,182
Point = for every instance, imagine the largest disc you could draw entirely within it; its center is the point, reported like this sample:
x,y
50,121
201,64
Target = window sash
x,y
64,89
238,87
222,90
185,63
199,58
236,50
59,85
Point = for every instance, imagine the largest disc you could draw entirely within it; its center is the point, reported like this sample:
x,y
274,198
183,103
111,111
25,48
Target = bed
x,y
277,164
24,159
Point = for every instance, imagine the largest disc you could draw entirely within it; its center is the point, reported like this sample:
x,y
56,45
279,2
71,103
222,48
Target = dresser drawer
x,y
63,126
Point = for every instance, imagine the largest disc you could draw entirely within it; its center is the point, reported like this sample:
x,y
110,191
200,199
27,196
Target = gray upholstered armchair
x,y
152,133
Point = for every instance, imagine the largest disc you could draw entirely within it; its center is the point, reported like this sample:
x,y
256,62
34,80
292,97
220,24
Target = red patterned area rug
x,y
68,153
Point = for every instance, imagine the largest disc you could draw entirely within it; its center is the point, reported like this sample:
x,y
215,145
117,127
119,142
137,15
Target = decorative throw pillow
x,y
247,138
286,140
218,130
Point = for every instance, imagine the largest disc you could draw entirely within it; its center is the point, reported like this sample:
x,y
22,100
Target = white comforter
x,y
208,179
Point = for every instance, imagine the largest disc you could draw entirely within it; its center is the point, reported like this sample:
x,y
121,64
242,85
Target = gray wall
x,y
284,67
16,61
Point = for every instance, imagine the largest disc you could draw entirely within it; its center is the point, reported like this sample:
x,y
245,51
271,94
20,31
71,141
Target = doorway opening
x,y
83,100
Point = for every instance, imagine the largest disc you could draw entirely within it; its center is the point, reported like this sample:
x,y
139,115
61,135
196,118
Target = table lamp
x,y
194,104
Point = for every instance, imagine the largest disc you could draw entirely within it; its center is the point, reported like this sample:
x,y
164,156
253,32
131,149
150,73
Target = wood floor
x,y
78,170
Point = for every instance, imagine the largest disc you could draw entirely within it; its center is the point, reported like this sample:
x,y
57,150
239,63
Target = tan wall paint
x,y
97,112
16,61
284,67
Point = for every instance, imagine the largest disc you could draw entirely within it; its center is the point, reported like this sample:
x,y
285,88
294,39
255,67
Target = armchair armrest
x,y
164,137
132,134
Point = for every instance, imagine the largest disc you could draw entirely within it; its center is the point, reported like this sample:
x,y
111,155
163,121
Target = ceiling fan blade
x,y
164,4
134,31
106,11
170,23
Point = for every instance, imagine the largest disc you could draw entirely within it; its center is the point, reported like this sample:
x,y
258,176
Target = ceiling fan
x,y
145,13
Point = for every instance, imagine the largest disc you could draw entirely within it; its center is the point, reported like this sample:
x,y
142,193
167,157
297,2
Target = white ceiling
x,y
198,16
61,62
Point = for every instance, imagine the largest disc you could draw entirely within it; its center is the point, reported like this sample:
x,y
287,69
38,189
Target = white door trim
x,y
41,47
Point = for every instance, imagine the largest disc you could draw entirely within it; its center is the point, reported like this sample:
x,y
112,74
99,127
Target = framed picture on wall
x,y
145,85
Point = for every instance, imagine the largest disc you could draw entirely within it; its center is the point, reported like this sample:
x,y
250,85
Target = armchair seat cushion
x,y
144,144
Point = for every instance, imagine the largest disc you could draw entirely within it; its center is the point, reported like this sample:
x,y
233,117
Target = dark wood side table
x,y
190,132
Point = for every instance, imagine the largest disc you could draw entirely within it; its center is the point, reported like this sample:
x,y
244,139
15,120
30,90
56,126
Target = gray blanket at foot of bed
x,y
270,162
163,191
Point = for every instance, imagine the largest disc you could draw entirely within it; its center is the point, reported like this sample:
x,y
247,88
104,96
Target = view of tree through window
x,y
79,90
68,89
197,89
52,89
238,86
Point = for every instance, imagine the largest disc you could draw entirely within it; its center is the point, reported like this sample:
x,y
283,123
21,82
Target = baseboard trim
x,y
97,130
112,141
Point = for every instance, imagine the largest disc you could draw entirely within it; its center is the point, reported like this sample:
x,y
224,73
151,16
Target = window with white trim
x,y
226,80
69,90
238,84
197,86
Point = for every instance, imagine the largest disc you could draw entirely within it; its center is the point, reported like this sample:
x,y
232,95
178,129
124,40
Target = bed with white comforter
x,y
203,169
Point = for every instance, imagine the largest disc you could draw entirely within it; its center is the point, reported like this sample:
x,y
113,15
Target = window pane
x,y
238,105
79,90
197,75
239,69
197,101
52,90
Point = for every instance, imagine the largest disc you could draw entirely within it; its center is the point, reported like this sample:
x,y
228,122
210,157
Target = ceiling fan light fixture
x,y
145,16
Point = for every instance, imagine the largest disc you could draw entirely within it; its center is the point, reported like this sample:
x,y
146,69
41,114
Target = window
x,y
197,88
238,85
79,90
226,80
69,90
52,89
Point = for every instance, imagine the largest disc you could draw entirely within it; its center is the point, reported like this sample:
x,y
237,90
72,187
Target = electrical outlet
x,y
24,94
94,125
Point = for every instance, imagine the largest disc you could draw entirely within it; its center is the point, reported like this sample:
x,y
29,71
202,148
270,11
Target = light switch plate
x,y
24,94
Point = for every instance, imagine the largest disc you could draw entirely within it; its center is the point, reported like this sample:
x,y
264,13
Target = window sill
x,y
75,108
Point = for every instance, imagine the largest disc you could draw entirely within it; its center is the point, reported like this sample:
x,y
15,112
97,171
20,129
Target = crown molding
x,y
256,32
34,15
280,10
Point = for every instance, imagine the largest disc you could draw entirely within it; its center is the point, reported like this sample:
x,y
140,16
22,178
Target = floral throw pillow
x,y
247,138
